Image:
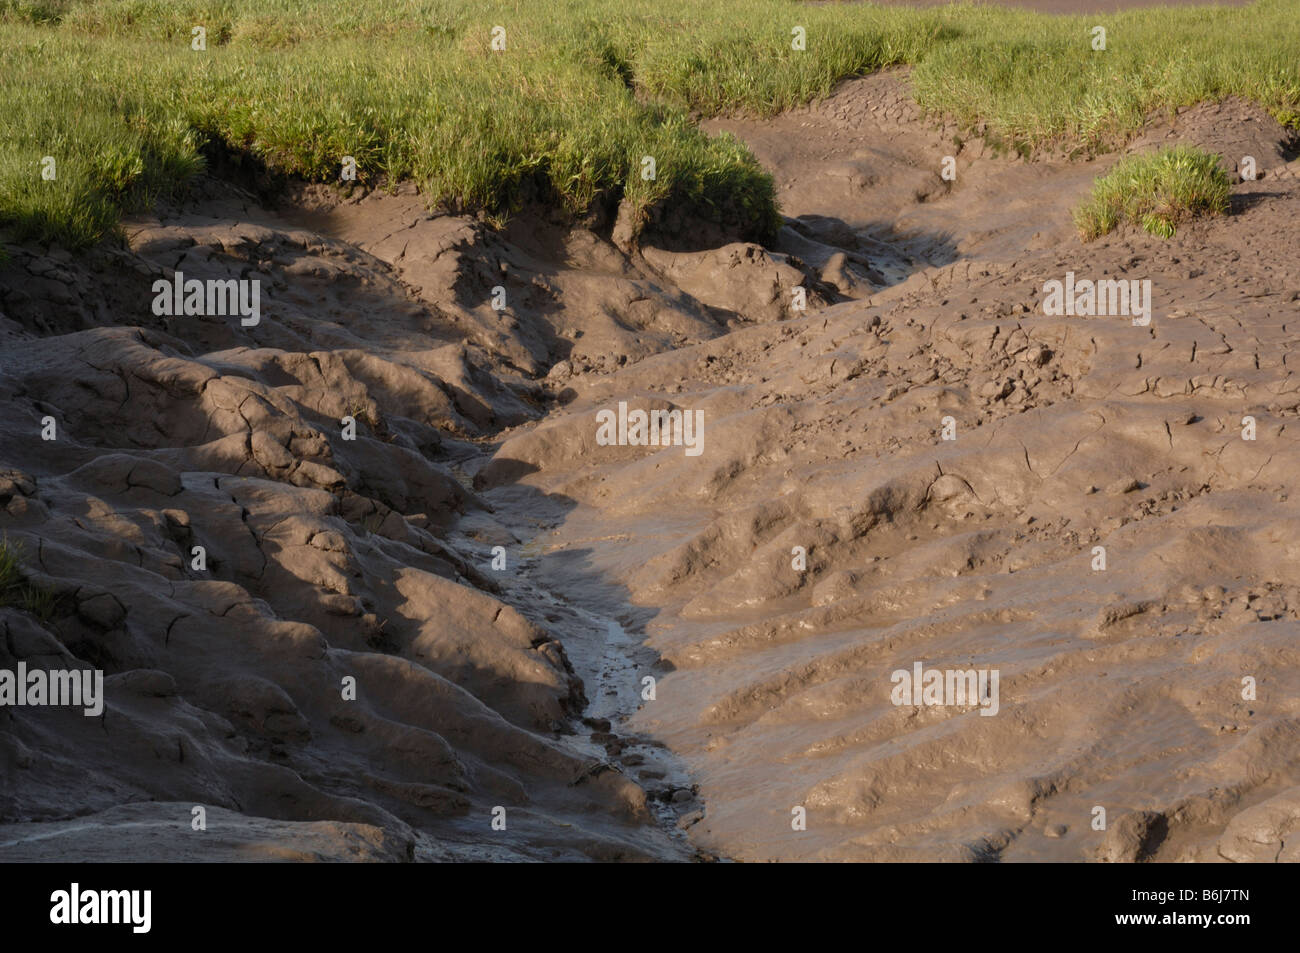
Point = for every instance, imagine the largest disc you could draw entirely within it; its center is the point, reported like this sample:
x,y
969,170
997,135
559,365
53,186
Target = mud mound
x,y
153,829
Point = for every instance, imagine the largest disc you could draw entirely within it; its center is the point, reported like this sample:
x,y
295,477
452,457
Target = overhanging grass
x,y
411,89
1156,190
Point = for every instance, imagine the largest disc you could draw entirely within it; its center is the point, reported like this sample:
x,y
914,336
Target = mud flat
x,y
499,585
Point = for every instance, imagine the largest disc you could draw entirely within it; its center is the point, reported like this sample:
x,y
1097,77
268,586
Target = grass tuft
x,y
1156,190
16,590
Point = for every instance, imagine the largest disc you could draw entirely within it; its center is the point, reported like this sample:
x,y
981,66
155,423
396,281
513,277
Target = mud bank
x,y
470,604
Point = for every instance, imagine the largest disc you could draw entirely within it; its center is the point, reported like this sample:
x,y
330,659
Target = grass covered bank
x,y
584,89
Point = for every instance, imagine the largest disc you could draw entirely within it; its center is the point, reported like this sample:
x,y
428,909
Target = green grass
x,y
585,88
17,591
1156,190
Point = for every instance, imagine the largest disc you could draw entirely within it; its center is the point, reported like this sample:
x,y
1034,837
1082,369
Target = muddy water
x,y
604,641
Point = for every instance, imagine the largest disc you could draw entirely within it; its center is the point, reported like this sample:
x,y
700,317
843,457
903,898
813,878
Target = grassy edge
x,y
618,91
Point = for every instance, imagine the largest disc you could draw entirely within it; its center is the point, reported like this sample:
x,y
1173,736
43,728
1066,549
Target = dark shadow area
x,y
1239,202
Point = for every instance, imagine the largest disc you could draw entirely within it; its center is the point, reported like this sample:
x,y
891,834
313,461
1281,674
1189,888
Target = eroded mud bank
x,y
523,684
